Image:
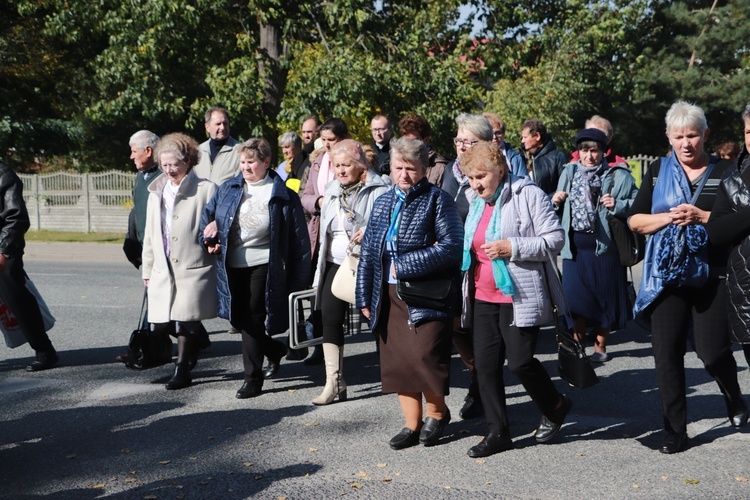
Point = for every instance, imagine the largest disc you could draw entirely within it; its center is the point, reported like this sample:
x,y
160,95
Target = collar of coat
x,y
279,188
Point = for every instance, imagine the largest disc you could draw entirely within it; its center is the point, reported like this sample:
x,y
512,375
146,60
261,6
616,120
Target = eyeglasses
x,y
464,142
379,130
498,133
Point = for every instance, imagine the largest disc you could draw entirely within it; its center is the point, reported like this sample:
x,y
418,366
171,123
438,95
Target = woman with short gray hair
x,y
296,162
414,233
684,275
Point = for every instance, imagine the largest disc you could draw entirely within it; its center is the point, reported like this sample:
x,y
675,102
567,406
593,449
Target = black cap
x,y
592,134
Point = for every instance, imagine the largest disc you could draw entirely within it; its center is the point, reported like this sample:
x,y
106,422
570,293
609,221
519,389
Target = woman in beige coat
x,y
179,273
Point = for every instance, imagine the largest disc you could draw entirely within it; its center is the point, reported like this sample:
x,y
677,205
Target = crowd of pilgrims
x,y
218,231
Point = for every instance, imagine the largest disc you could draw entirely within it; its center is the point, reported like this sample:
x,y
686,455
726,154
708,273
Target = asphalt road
x,y
92,428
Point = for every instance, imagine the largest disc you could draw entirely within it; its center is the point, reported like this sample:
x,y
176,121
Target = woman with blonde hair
x,y
345,211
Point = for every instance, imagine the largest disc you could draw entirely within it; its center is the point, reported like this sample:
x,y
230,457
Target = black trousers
x,y
333,310
673,312
24,306
495,339
248,288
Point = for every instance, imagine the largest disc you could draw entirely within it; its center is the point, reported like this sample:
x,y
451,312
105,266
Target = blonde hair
x,y
484,156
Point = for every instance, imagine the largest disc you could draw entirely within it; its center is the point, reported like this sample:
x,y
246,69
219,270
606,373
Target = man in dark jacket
x,y
382,131
14,222
543,160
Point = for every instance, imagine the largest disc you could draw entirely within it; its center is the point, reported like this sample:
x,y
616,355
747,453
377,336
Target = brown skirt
x,y
412,358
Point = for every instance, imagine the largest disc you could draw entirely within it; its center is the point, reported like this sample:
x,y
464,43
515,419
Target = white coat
x,y
183,288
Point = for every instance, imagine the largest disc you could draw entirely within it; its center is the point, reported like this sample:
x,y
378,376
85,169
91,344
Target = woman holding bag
x,y
594,282
345,210
510,230
683,274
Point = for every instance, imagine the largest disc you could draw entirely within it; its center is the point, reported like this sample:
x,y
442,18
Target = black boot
x,y
186,360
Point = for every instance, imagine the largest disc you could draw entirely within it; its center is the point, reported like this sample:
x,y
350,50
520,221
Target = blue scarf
x,y
392,235
503,281
675,256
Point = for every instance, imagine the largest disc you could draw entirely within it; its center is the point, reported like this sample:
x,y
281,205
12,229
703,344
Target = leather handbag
x,y
573,365
630,246
147,349
344,284
432,293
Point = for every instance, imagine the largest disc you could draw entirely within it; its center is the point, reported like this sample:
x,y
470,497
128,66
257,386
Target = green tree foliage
x,y
78,78
697,53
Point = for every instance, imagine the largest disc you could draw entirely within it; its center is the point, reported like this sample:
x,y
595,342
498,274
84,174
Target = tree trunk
x,y
274,81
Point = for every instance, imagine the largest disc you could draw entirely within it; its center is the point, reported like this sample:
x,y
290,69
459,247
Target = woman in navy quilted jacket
x,y
414,232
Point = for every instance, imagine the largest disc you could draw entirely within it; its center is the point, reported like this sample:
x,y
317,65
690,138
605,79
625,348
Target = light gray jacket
x,y
373,188
529,222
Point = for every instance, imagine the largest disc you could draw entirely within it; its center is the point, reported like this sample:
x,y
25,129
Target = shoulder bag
x,y
147,349
431,293
344,283
572,363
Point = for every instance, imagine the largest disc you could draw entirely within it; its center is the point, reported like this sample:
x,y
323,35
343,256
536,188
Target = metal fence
x,y
101,202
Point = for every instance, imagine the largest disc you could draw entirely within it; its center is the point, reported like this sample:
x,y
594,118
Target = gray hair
x,y
602,124
290,139
143,139
684,115
746,113
410,150
216,109
352,149
476,124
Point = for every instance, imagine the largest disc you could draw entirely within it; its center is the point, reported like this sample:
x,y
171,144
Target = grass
x,y
73,237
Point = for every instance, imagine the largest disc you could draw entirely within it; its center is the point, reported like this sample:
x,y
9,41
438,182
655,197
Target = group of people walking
x,y
466,258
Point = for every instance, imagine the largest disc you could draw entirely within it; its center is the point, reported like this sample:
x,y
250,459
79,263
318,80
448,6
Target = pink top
x,y
484,281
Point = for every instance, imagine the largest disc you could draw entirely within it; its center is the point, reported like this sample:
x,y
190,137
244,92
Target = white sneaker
x,y
599,357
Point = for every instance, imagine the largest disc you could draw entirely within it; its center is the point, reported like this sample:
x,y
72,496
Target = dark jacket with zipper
x,y
289,266
430,244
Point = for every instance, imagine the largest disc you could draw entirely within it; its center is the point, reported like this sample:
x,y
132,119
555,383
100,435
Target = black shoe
x,y
404,439
180,379
491,444
44,361
317,356
433,429
249,390
472,408
674,443
549,427
297,354
738,415
274,361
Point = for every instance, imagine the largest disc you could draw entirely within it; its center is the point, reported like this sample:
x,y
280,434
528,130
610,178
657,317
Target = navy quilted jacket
x,y
289,267
430,243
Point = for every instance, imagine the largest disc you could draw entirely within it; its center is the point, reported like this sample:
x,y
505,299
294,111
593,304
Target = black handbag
x,y
631,246
147,349
572,363
432,293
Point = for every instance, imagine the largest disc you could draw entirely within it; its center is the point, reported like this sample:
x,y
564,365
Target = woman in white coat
x,y
179,273
345,209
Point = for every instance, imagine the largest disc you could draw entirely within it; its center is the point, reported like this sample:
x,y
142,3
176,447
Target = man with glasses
x,y
544,162
382,131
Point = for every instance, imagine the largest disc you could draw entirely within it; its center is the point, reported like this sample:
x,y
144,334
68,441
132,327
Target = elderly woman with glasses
x,y
472,129
179,274
414,233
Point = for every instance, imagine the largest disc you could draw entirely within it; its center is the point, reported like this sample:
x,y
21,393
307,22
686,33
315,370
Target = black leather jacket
x,y
14,219
728,225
